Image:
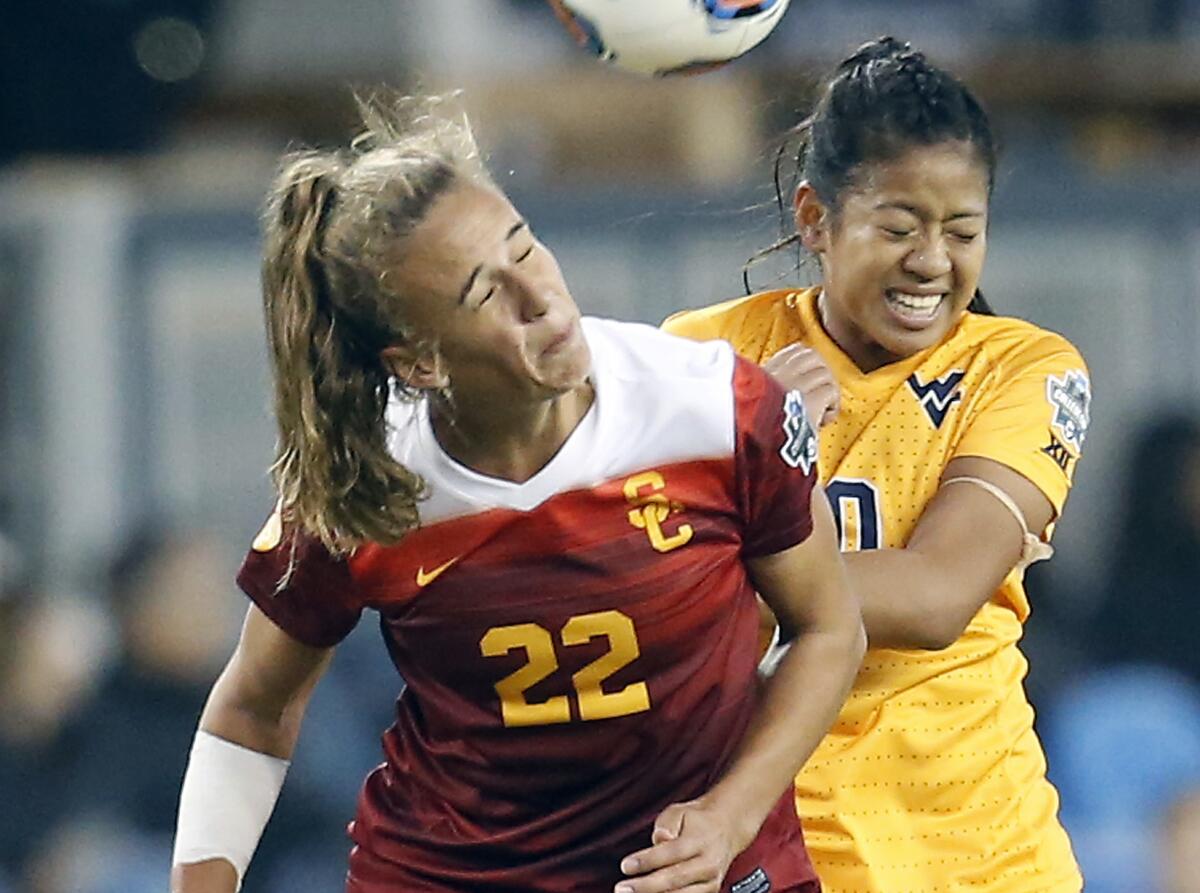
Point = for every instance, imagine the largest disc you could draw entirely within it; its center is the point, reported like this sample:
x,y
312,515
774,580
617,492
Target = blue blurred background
x,y
137,138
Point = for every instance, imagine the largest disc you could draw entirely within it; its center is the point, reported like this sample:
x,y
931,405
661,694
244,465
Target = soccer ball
x,y
662,37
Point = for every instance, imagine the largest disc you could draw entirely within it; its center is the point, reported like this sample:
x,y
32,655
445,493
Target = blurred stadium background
x,y
136,141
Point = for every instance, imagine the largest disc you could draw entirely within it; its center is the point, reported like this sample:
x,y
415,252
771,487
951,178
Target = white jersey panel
x,y
659,400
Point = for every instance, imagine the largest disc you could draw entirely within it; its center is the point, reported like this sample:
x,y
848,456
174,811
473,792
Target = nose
x,y
534,296
930,259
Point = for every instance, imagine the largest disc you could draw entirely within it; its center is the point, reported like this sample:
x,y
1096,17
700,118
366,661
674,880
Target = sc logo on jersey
x,y
800,440
651,510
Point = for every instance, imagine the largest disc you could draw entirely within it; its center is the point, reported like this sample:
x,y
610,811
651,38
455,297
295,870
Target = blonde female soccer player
x,y
951,442
563,554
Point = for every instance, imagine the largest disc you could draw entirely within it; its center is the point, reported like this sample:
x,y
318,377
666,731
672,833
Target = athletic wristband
x,y
228,794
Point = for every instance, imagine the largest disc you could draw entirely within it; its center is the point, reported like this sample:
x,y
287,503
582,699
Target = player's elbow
x,y
937,607
935,639
937,629
851,636
857,641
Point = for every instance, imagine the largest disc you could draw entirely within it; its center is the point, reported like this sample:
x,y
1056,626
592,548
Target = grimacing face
x,y
493,300
901,258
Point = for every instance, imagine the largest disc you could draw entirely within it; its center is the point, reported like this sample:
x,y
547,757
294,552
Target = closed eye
x,y
528,251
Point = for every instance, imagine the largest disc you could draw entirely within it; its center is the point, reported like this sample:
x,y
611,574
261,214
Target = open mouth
x,y
914,310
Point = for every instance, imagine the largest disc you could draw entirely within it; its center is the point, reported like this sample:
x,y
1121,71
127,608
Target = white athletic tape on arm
x,y
1033,548
228,794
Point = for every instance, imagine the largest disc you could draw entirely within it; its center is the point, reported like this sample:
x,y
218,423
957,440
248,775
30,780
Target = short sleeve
x,y
1036,416
776,462
304,590
692,324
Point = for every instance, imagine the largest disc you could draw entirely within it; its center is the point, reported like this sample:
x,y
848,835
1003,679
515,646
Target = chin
x,y
576,369
901,344
901,341
564,380
573,382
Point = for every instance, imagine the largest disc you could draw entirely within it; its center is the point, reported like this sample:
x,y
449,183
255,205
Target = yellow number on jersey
x,y
539,649
594,702
541,661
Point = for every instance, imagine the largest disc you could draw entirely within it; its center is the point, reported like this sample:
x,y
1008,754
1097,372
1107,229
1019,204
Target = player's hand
x,y
692,848
800,368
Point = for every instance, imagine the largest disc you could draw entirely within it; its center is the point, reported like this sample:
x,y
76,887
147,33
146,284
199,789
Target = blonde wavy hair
x,y
332,223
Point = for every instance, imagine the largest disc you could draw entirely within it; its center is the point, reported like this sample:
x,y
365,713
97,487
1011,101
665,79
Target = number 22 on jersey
x,y
542,660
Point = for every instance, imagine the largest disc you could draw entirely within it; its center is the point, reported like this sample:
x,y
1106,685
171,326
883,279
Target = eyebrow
x,y
512,231
900,206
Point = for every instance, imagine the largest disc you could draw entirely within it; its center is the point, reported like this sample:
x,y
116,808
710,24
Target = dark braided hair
x,y
881,101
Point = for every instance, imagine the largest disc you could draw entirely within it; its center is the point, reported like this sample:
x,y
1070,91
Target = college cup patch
x,y
800,438
1070,400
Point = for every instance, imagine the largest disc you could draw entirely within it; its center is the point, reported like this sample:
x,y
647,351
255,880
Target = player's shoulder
x,y
640,353
1017,343
683,396
728,318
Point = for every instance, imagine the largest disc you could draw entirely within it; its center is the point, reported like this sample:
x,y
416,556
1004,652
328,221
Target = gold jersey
x,y
931,779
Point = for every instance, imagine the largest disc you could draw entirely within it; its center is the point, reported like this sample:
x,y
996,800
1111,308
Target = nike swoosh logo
x,y
424,579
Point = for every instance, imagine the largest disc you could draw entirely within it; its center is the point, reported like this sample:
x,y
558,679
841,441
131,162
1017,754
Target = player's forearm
x,y
910,601
799,703
210,876
240,755
229,792
236,766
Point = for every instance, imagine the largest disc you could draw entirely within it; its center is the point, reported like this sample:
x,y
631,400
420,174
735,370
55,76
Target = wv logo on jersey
x,y
939,395
1071,399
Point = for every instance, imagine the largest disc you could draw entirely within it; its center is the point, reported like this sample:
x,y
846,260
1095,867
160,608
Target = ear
x,y
416,369
812,218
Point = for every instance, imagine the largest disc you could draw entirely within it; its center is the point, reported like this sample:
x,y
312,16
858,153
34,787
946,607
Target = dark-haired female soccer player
x,y
951,442
562,532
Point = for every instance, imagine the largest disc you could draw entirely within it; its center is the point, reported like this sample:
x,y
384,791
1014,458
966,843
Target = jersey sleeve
x,y
1036,417
304,590
776,462
698,325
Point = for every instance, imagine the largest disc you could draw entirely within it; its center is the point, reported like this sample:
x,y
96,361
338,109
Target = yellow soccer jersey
x,y
931,779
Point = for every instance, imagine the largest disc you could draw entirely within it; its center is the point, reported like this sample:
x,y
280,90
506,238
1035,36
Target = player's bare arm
x,y
259,699
965,544
808,589
257,703
924,595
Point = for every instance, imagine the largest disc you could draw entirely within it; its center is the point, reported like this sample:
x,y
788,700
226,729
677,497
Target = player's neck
x,y
510,442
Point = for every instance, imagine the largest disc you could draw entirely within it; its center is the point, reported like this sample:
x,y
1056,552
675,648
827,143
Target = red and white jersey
x,y
580,648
